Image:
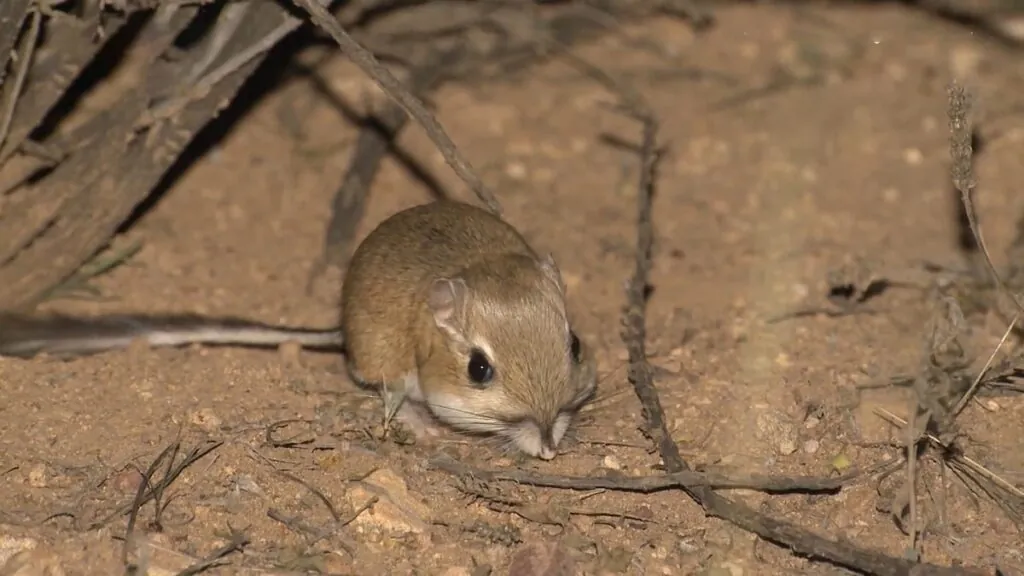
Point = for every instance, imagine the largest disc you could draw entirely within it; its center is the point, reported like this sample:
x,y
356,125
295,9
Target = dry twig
x,y
372,144
236,544
149,490
25,54
647,484
369,64
798,539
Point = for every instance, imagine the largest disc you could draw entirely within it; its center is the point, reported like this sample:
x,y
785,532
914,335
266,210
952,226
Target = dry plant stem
x,y
963,175
24,62
222,33
144,486
973,464
647,484
962,403
798,539
912,477
204,84
150,491
410,103
12,14
237,543
963,179
371,145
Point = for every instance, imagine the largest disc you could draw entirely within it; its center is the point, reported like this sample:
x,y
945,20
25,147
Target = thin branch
x,y
24,63
648,484
796,538
369,64
963,174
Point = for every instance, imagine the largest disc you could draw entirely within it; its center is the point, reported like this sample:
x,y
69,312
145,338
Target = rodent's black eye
x,y
480,370
574,346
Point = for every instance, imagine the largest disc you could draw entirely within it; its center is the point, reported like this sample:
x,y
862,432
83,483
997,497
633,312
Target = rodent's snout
x,y
539,441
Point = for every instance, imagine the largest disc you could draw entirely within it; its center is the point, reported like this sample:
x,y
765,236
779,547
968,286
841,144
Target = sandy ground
x,y
800,141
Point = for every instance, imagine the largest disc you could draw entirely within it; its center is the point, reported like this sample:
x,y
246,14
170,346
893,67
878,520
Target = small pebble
x,y
515,170
811,446
205,419
912,156
611,462
787,447
37,476
128,481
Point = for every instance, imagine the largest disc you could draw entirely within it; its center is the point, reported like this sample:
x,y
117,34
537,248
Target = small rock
x,y
246,483
9,546
688,547
37,476
205,419
127,481
396,509
786,447
912,156
775,429
456,571
811,446
515,170
611,462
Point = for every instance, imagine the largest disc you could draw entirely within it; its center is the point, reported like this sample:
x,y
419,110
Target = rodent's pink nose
x,y
547,453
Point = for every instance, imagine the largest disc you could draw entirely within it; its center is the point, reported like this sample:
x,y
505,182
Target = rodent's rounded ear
x,y
446,297
551,272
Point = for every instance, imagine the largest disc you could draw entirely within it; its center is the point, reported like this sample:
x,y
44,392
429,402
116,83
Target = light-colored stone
x,y
37,476
774,428
10,545
396,510
205,419
611,462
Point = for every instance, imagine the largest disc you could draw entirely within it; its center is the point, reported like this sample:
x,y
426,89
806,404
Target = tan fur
x,y
497,294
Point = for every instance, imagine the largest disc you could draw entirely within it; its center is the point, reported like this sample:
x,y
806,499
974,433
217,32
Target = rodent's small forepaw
x,y
418,421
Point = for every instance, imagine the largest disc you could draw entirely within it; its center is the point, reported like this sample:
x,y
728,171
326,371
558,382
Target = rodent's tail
x,y
27,335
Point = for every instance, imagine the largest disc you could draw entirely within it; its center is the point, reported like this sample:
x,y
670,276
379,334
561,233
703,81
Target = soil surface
x,y
802,142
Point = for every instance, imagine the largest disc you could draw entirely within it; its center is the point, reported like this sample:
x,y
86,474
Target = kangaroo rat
x,y
443,304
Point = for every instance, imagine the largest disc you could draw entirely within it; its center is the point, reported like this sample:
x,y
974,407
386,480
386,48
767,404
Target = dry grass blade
x,y
24,60
237,543
369,64
972,473
150,490
373,143
963,174
962,403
